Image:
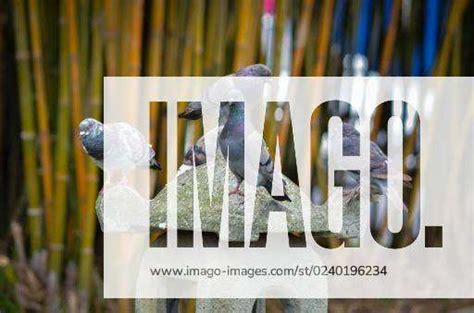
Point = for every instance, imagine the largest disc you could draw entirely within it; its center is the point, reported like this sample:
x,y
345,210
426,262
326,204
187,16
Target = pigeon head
x,y
89,126
91,132
349,130
255,70
237,110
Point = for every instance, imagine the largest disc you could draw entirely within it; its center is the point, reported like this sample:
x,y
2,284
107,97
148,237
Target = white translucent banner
x,y
252,242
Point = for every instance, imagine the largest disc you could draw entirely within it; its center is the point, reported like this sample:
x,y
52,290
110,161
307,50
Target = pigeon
x,y
127,149
193,110
231,142
378,161
198,150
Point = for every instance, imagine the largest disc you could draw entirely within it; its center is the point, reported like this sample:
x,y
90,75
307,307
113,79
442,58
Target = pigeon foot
x,y
236,190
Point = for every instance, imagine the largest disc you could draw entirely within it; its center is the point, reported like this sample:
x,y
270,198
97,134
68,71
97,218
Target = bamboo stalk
x,y
302,36
154,133
230,34
458,8
97,64
182,129
325,34
309,55
28,134
267,29
188,305
198,49
198,54
220,39
319,70
281,17
285,134
389,42
61,161
214,54
182,8
111,37
83,26
163,132
48,14
124,306
414,192
243,48
136,38
153,68
456,63
125,35
42,112
76,102
409,147
386,58
170,68
316,132
172,43
186,70
269,132
298,57
211,34
155,39
84,7
3,106
257,10
184,48
94,103
186,67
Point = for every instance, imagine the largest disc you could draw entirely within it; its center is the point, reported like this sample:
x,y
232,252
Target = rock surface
x,y
210,222
211,212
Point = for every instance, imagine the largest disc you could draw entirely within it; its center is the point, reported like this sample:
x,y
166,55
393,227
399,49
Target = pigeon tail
x,y
285,196
406,180
191,114
282,198
384,189
155,165
196,156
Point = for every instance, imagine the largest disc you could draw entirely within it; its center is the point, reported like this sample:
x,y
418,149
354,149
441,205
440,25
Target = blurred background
x,y
54,55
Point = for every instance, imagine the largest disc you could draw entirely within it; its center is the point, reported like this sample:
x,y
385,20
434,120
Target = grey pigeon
x,y
231,143
198,151
193,110
127,148
378,161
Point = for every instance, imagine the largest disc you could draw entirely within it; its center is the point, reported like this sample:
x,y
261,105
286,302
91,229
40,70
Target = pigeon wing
x,y
265,177
378,160
134,146
193,111
266,163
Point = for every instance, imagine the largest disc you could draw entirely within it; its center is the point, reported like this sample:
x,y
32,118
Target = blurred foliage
x,y
8,302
